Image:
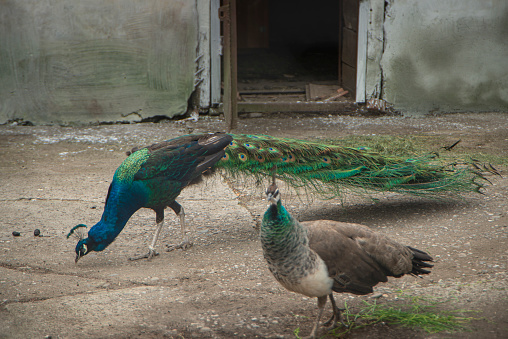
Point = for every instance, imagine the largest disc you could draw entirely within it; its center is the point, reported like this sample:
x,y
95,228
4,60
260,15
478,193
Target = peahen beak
x,y
272,194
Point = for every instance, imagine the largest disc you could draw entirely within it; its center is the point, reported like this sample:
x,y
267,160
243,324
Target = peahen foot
x,y
335,320
336,316
151,253
184,245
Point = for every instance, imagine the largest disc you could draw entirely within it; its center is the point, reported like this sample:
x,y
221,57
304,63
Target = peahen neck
x,y
122,202
285,243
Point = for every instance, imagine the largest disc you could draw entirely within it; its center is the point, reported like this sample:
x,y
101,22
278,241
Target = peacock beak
x,y
77,258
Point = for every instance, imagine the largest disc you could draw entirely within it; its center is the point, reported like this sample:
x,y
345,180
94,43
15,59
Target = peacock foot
x,y
184,245
151,253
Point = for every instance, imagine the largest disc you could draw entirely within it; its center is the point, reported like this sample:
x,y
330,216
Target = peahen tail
x,y
330,169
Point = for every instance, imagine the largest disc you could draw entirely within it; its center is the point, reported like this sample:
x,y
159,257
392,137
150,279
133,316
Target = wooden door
x,y
348,44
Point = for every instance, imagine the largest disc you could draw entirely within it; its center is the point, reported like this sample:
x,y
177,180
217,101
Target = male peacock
x,y
154,176
318,257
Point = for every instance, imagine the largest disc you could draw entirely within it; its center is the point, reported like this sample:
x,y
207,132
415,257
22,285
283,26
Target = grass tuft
x,y
420,314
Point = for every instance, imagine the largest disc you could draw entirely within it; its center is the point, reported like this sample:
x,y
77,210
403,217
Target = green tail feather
x,y
330,169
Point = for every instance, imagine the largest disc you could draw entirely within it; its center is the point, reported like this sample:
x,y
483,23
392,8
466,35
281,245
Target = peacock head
x,y
84,245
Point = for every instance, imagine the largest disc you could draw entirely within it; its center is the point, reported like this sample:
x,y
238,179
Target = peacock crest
x,y
78,231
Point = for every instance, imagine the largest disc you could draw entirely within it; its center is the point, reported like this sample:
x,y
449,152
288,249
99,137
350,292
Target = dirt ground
x,y
53,178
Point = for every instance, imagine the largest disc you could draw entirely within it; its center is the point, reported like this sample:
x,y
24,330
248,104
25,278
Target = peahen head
x,y
84,245
272,192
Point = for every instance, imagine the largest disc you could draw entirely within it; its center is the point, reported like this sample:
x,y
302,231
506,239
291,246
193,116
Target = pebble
x,y
16,233
37,232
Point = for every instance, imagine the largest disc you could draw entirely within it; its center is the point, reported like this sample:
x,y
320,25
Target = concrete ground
x,y
53,178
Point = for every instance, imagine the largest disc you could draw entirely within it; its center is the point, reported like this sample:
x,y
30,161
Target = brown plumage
x,y
315,258
359,258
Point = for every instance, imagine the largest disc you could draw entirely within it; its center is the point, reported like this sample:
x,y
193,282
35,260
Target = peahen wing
x,y
357,258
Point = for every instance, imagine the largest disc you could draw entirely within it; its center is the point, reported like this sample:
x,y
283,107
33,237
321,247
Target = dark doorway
x,y
285,45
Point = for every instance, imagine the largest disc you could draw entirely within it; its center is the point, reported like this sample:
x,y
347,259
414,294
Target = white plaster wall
x,y
85,61
446,55
375,46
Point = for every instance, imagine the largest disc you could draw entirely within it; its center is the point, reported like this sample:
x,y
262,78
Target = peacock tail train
x,y
330,170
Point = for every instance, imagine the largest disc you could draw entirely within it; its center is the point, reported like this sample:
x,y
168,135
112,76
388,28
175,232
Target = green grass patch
x,y
419,314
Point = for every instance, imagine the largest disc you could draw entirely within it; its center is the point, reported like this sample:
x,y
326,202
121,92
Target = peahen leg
x,y
336,316
321,302
186,243
159,218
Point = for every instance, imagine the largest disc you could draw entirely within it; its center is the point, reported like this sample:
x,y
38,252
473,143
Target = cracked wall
x,y
443,56
67,61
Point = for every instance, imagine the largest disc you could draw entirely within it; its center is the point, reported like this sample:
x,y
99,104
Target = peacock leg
x,y
159,218
186,243
336,316
321,306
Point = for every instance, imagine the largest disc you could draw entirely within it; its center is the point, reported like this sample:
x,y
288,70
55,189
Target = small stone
x,y
377,295
16,233
37,232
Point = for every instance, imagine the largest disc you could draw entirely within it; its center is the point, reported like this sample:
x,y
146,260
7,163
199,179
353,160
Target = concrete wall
x,y
444,55
96,60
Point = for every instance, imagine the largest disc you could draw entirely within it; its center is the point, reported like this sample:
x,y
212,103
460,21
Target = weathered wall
x,y
446,55
95,60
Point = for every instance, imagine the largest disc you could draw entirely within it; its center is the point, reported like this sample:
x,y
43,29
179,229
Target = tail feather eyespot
x,y
289,158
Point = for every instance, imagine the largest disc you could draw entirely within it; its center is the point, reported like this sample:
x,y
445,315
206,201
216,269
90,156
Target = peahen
x,y
317,258
154,176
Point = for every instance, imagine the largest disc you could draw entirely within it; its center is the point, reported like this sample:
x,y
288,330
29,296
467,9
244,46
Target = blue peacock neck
x,y
122,202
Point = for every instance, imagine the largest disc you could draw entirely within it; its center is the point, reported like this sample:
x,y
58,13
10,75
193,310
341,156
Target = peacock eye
x,y
84,249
